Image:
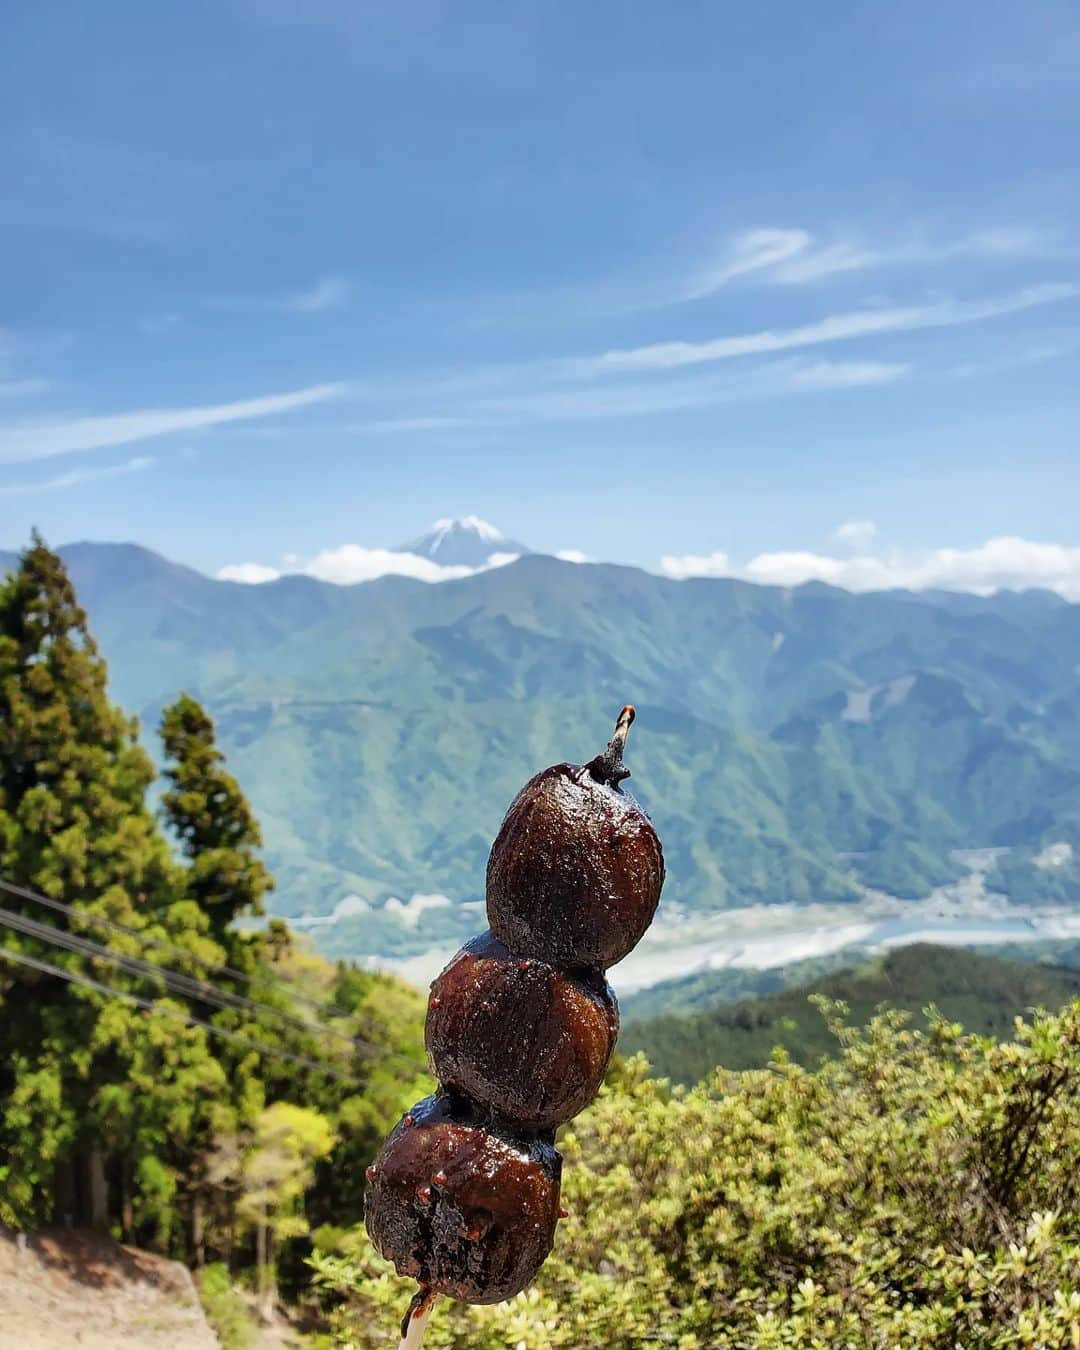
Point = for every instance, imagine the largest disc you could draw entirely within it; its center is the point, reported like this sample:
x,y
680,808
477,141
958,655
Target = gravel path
x,y
73,1288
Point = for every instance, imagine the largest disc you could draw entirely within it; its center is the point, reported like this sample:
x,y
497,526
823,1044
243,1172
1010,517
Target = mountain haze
x,y
792,744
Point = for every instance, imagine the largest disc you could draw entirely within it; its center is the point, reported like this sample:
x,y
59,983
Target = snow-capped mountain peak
x,y
482,528
464,542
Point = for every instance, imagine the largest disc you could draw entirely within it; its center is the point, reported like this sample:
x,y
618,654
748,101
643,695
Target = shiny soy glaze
x,y
464,1196
518,1035
574,876
460,1205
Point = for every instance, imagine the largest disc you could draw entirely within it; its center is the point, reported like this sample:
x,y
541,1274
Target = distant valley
x,y
795,746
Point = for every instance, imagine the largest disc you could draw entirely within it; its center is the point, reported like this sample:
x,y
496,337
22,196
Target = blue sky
x,y
696,282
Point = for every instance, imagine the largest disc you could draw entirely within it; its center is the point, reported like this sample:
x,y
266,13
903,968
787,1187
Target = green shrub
x,y
918,1191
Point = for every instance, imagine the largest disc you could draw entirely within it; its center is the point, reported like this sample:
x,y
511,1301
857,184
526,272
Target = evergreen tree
x,y
73,778
73,825
211,817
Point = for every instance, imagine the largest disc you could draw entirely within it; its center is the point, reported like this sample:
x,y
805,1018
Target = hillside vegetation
x,y
704,989
920,1190
983,993
791,745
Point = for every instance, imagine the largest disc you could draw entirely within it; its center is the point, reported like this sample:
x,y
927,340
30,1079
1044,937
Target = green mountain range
x,y
792,744
984,993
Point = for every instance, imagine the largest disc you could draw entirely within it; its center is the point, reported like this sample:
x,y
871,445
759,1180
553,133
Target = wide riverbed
x,y
764,936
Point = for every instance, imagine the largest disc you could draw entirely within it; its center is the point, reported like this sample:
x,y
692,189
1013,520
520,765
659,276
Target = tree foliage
x,y
983,992
74,826
116,1113
209,814
921,1190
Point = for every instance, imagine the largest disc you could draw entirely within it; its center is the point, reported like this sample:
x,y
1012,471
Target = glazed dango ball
x,y
523,1038
576,870
461,1206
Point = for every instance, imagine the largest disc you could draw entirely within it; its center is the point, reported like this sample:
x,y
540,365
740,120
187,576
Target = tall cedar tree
x,y
74,825
211,817
73,778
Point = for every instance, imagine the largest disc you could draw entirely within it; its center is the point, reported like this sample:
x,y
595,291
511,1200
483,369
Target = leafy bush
x,y
920,1190
226,1309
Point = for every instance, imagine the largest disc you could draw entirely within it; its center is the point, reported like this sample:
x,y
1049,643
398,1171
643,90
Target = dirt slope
x,y
71,1288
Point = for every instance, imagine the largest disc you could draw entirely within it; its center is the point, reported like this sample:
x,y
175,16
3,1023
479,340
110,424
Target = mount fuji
x,y
466,542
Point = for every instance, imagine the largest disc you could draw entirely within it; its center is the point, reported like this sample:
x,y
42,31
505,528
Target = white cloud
x,y
352,563
37,440
750,252
498,560
793,256
1035,355
855,534
681,566
835,328
250,574
572,555
769,380
1001,563
846,374
825,261
411,424
74,479
618,398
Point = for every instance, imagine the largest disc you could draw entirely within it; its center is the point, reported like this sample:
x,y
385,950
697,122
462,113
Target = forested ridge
x,y
983,993
794,743
215,1091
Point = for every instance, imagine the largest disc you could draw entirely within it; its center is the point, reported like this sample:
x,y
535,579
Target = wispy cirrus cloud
x,y
792,257
325,294
751,251
42,440
572,403
75,478
834,328
1035,355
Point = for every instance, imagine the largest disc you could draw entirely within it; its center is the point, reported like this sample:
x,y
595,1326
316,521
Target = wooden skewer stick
x,y
416,1319
608,767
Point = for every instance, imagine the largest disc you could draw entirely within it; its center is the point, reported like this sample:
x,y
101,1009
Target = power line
x,y
173,980
195,988
82,916
260,1047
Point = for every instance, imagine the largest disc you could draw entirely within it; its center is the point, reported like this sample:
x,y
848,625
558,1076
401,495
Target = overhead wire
x,y
82,916
176,981
260,1047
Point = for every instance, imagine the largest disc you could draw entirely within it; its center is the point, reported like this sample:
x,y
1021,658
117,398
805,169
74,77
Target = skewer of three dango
x,y
464,1196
